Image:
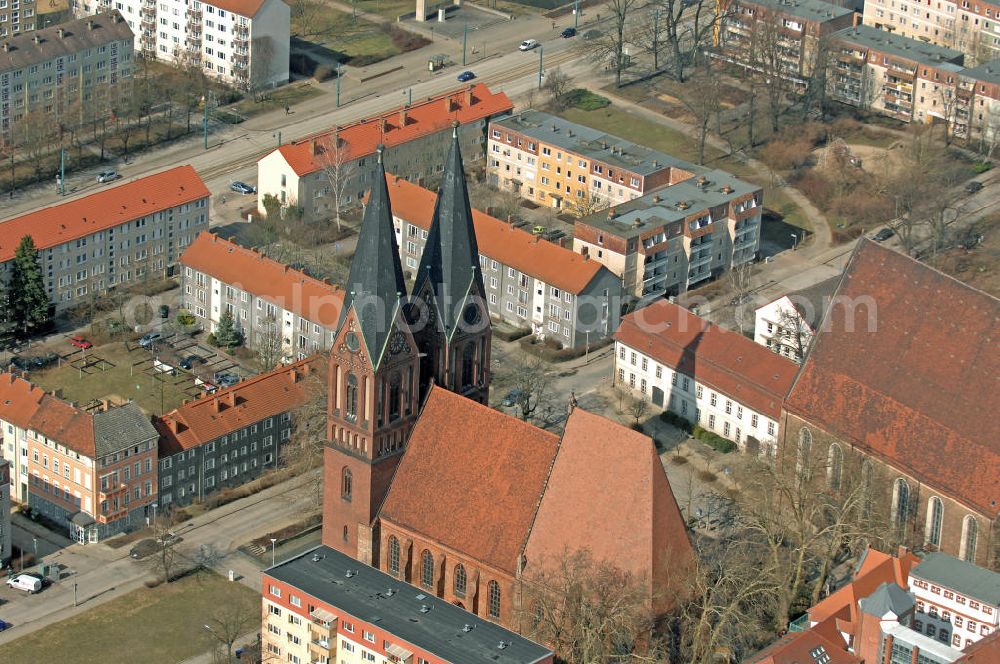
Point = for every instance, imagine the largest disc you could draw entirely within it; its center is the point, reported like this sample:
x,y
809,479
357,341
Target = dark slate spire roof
x,y
375,285
451,256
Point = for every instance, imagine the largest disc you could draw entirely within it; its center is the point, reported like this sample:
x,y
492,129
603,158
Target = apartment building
x,y
976,117
957,602
338,166
708,375
244,43
530,282
324,607
6,535
93,470
794,28
681,235
16,17
787,324
230,437
72,71
568,166
115,238
266,299
969,26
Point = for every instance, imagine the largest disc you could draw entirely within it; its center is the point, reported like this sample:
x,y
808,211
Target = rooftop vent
x,y
467,627
424,608
350,573
701,180
727,189
503,645
682,205
390,592
656,198
316,558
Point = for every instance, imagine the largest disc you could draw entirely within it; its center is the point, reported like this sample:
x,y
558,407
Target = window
x,y
345,483
460,580
393,554
351,397
935,516
493,599
970,533
835,465
804,452
427,569
275,590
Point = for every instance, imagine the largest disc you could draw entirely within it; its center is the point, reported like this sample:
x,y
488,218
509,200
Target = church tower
x,y
453,329
373,385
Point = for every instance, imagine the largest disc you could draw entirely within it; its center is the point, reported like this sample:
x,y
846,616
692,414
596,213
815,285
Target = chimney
x,y
217,405
61,32
231,398
701,180
682,205
468,97
90,24
383,125
6,46
293,375
612,213
447,104
637,223
656,198
402,116
116,17
172,424
314,146
727,189
36,39
510,220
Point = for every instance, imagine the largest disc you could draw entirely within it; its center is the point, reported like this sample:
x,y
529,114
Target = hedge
x,y
585,100
714,440
511,334
676,420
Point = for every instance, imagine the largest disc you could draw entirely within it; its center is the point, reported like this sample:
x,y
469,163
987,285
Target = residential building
x,y
270,302
956,600
323,606
887,614
975,116
230,437
244,43
787,325
72,72
906,79
115,238
6,534
530,283
795,29
92,470
669,241
338,166
922,392
408,387
708,375
17,18
560,164
969,27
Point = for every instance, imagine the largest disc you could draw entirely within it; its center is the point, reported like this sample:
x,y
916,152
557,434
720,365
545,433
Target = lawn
x,y
339,36
388,8
115,376
629,126
162,625
288,95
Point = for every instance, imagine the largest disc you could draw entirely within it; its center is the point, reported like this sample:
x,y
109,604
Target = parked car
x,y
149,339
4,625
466,75
973,187
26,582
883,235
21,363
80,342
107,176
511,398
191,360
226,378
44,360
568,32
528,44
243,188
537,230
164,311
144,548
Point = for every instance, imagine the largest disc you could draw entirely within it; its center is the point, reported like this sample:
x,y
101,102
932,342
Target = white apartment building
x,y
787,325
5,531
242,42
712,377
958,603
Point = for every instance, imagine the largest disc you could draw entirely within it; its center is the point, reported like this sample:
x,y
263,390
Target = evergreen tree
x,y
226,334
8,325
29,301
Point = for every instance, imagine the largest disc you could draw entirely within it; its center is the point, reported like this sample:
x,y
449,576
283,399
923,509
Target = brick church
x,y
427,483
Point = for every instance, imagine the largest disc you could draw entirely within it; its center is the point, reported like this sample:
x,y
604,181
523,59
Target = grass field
x,y
116,378
388,8
289,95
339,33
163,625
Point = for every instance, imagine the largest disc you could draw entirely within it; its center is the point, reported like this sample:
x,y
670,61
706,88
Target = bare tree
x,y
340,170
268,343
230,621
589,611
638,407
793,333
588,203
165,563
702,101
741,281
610,47
557,84
529,384
684,29
304,450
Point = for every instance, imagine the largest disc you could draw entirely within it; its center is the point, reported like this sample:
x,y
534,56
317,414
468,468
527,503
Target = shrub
x,y
185,318
157,286
323,73
713,440
678,460
676,420
511,335
211,340
783,156
152,583
585,100
981,167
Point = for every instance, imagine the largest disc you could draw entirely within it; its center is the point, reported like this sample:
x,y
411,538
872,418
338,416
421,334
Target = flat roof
x,y
810,10
408,613
591,143
988,72
660,207
899,46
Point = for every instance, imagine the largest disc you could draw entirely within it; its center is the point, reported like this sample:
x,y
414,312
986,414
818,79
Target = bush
x,y
405,40
152,583
158,286
981,167
323,73
783,156
713,440
676,420
585,100
185,318
511,335
211,340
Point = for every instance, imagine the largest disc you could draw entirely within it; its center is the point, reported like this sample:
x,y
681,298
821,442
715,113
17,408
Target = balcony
x,y
241,30
320,648
193,15
107,494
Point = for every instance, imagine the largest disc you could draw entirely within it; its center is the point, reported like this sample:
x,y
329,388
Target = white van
x,y
26,582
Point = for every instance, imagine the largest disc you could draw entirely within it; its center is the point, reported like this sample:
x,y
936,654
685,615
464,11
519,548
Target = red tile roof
x,y
912,376
797,648
422,118
266,395
602,472
471,479
30,407
107,208
19,400
247,8
555,265
876,568
248,270
725,361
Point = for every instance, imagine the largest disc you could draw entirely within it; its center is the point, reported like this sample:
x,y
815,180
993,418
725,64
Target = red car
x,y
80,342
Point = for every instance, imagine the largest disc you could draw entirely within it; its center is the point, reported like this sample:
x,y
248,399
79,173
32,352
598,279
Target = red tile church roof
x,y
914,378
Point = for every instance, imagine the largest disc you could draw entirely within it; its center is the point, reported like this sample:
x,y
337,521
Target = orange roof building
x,y
316,171
265,297
580,298
117,236
465,524
704,373
231,436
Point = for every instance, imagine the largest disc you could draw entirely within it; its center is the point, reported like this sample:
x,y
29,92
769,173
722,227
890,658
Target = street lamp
x,y
34,542
795,240
273,540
